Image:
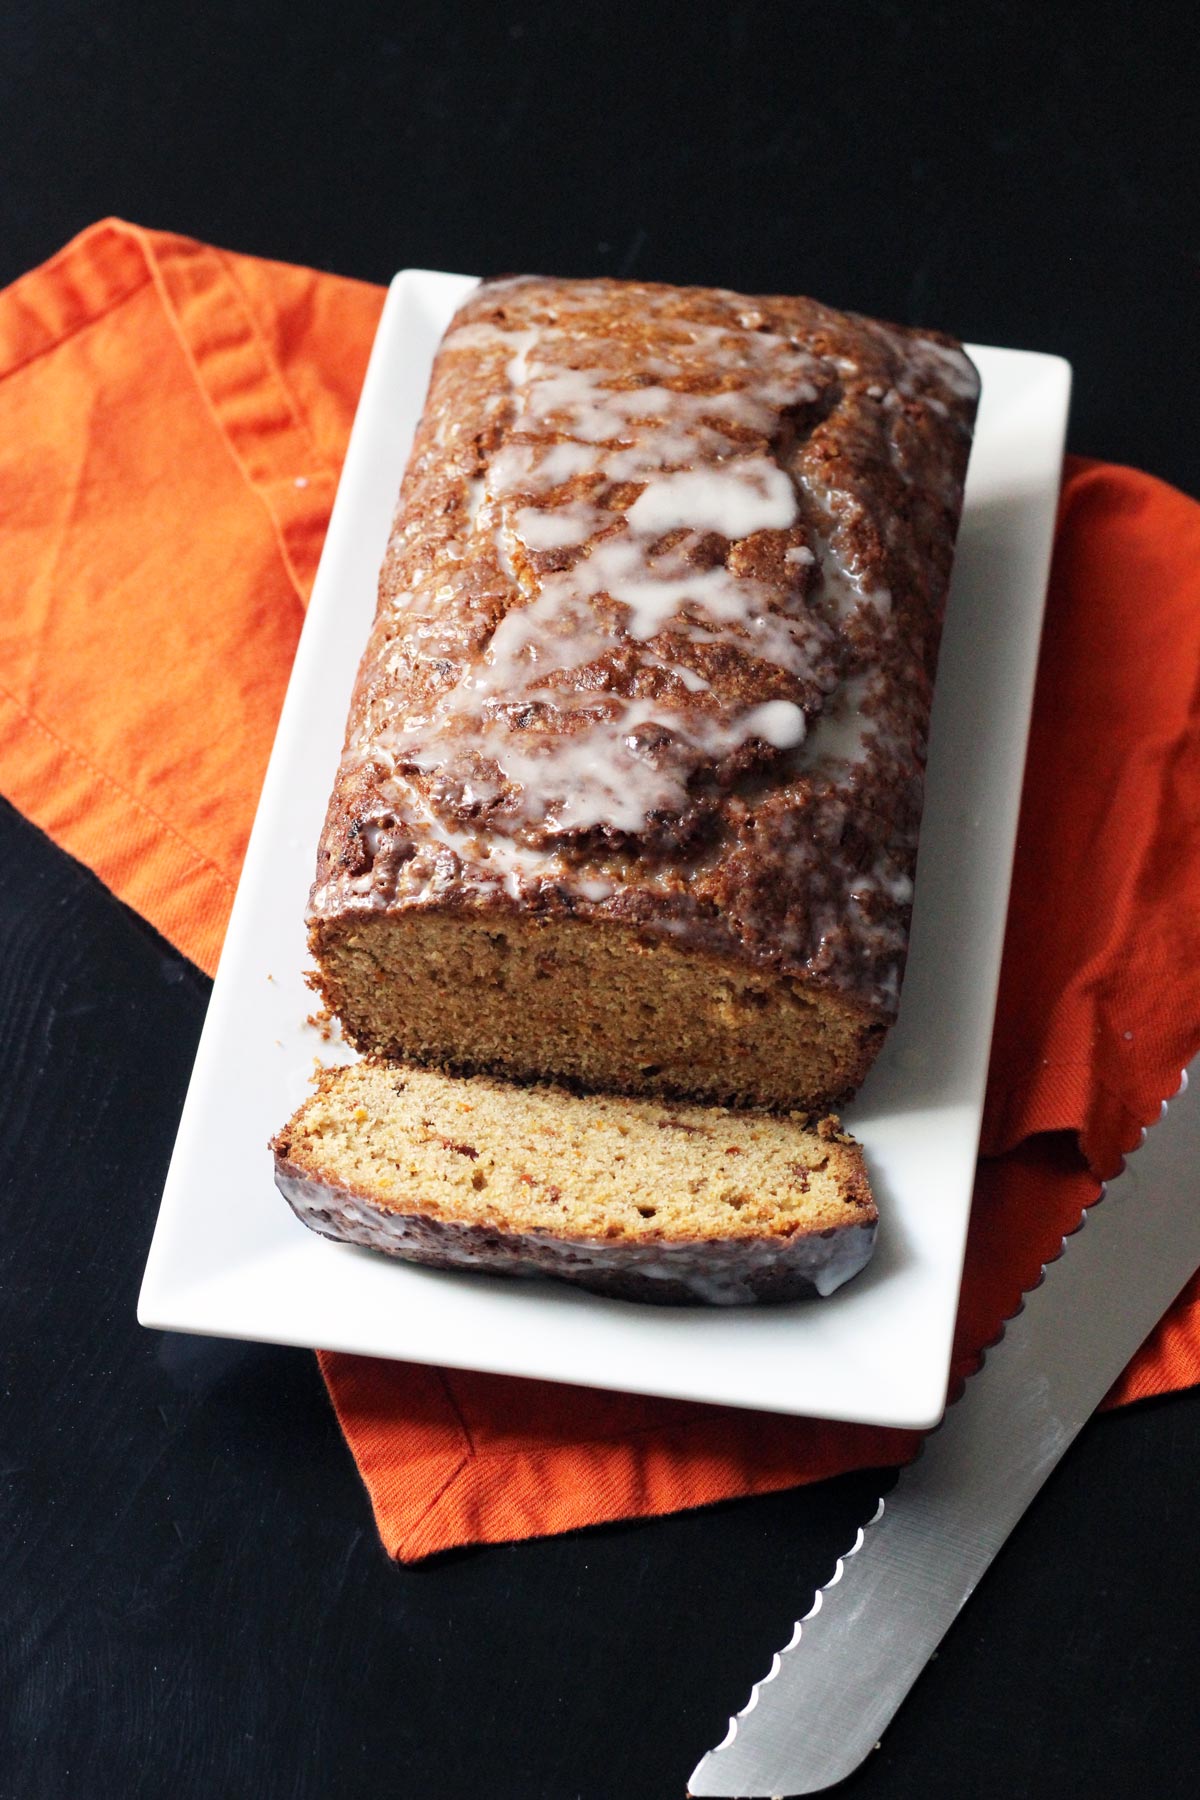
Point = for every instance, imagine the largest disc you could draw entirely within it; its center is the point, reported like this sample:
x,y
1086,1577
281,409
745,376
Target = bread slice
x,y
642,1199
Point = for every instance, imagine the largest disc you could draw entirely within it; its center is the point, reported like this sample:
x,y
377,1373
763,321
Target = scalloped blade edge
x,y
871,1629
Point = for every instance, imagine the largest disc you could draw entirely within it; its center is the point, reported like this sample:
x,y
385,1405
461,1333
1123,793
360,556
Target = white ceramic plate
x,y
229,1258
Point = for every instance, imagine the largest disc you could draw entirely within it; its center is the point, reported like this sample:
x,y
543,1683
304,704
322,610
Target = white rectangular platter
x,y
228,1258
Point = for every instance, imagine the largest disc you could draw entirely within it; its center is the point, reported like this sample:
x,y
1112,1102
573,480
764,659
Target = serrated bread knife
x,y
829,1693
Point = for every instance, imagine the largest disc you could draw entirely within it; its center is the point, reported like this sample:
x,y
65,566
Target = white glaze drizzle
x,y
686,451
735,499
843,731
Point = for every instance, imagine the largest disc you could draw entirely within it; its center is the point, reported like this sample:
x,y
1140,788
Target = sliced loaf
x,y
643,1199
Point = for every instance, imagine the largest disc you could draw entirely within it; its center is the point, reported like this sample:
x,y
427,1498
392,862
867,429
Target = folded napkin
x,y
172,422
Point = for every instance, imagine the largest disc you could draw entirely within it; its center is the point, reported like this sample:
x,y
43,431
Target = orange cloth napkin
x,y
172,422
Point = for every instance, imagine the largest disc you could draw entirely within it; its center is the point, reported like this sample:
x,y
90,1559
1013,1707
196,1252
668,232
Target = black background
x,y
192,1599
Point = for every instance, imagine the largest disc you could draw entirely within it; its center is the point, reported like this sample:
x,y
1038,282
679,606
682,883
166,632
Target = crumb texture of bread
x,y
610,1009
632,778
636,1198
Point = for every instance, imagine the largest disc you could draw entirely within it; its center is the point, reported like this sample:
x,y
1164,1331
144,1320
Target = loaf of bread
x,y
633,773
641,1199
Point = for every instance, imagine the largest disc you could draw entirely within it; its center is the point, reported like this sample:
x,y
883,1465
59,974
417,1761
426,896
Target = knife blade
x,y
832,1689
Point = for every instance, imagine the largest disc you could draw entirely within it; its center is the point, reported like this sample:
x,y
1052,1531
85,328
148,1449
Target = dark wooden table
x,y
192,1600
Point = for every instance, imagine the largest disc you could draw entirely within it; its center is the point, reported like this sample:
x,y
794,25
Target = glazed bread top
x,y
658,624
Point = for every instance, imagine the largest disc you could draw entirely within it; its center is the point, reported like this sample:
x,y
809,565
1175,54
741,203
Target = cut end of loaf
x,y
642,1199
606,1006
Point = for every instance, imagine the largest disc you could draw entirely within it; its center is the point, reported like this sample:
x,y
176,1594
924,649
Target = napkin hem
x,y
247,396
84,281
